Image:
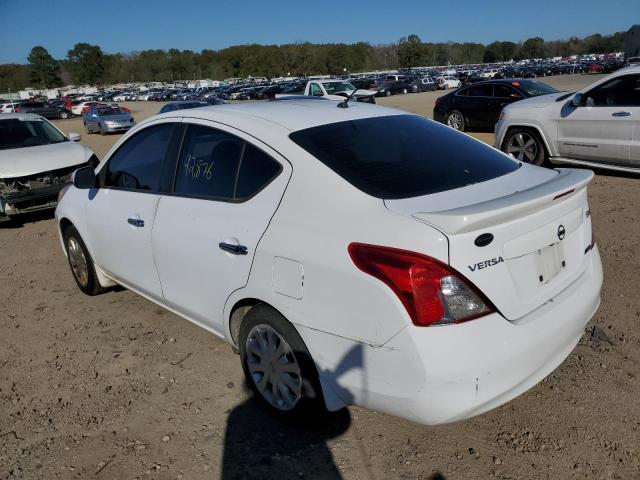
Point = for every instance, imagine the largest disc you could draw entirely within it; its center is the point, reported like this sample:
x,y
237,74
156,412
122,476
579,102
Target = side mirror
x,y
84,178
74,137
577,100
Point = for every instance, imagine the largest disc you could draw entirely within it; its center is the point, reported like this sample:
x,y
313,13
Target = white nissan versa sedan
x,y
356,255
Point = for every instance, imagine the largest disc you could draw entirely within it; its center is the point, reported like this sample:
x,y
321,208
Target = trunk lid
x,y
540,229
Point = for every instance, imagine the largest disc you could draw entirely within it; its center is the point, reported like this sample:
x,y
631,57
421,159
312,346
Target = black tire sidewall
x,y
312,398
93,286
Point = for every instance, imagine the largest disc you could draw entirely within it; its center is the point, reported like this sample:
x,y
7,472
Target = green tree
x,y
44,69
410,51
87,63
533,48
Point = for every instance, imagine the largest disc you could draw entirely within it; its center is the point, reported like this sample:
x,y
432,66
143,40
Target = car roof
x,y
292,115
20,116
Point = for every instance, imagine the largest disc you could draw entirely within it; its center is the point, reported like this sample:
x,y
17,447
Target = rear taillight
x,y
432,292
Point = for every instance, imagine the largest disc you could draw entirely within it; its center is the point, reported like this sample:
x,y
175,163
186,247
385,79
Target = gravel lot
x,y
114,387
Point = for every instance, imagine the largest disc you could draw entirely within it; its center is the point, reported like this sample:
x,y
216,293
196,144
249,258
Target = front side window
x,y
137,164
402,156
617,92
504,91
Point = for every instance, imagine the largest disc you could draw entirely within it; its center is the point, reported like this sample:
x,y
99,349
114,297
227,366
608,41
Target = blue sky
x,y
126,26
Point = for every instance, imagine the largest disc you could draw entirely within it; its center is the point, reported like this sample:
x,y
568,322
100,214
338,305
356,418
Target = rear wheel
x,y
525,146
455,120
277,364
81,263
387,93
404,90
102,132
64,114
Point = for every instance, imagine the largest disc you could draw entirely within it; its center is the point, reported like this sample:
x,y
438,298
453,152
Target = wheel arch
x,y
535,129
238,312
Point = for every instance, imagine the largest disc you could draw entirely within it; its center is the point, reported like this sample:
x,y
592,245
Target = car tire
x,y
64,115
102,132
387,93
404,91
455,119
286,383
81,263
89,132
525,146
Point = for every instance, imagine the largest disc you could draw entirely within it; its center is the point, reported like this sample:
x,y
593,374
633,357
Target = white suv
x,y
599,126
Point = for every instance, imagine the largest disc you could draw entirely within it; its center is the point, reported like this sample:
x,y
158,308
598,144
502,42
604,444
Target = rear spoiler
x,y
485,214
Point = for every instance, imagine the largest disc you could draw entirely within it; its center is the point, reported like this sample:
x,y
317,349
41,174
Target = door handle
x,y
234,249
136,222
621,114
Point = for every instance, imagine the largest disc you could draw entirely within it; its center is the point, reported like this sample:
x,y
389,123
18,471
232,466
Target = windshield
x,y
534,89
336,87
16,133
402,156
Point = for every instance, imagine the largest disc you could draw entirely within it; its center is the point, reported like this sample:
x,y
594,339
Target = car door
x,y
477,109
91,119
601,128
121,212
503,95
227,187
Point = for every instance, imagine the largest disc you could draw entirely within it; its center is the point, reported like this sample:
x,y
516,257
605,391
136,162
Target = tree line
x,y
87,64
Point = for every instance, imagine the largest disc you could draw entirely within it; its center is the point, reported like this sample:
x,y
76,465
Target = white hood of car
x,y
20,162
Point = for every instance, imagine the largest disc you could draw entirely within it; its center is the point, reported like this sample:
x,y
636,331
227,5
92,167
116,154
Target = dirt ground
x,y
114,387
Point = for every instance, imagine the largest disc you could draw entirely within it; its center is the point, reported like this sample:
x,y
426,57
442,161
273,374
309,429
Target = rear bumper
x,y
444,374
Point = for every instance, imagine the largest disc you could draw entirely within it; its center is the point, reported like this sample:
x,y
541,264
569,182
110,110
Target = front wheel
x,y
81,263
525,146
64,115
455,120
277,364
387,93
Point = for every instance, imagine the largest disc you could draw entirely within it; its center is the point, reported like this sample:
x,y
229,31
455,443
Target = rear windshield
x,y
402,156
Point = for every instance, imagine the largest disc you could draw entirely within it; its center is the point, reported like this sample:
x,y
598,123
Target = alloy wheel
x,y
273,367
523,147
455,120
78,261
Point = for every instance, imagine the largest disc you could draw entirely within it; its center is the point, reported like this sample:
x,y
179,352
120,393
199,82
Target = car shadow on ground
x,y
259,445
26,218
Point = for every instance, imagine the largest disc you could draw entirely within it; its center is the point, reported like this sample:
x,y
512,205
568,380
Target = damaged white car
x,y
36,162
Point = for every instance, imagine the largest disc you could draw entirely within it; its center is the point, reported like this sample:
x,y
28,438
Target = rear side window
x,y
481,91
208,163
137,165
402,156
257,169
